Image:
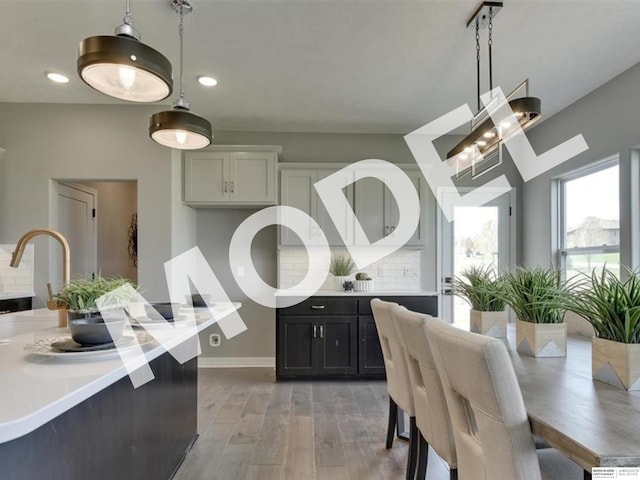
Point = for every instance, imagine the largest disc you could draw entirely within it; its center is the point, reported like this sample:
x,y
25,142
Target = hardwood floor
x,y
254,429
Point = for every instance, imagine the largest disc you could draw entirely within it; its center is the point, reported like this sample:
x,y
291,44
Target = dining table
x,y
591,422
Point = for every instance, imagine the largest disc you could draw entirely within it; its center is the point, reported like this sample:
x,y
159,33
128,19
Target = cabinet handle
x,y
321,331
317,307
226,187
386,230
314,331
233,187
393,228
2,312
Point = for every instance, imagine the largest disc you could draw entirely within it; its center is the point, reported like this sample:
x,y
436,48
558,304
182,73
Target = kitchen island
x,y
79,418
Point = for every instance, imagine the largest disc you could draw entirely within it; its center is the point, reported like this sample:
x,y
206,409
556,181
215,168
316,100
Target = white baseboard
x,y
236,362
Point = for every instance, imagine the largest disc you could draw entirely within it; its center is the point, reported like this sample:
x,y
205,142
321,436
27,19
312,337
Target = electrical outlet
x,y
410,270
214,339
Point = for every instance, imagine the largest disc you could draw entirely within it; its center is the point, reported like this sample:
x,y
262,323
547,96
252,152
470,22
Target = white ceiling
x,y
383,66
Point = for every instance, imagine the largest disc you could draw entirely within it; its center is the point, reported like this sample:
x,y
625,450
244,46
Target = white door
x,y
76,220
478,235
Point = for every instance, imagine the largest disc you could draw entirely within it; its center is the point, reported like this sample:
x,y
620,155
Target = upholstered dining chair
x,y
398,382
432,416
490,426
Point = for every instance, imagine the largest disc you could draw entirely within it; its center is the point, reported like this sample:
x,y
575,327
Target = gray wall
x,y
84,142
215,227
608,120
117,201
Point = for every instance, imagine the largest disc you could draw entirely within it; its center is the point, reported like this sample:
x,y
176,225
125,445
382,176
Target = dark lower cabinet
x,y
370,359
15,305
335,337
313,346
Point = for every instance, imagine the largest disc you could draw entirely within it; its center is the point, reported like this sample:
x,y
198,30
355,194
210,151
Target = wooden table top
x,y
591,422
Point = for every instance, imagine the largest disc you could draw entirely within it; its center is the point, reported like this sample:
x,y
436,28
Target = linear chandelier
x,y
179,128
487,132
123,67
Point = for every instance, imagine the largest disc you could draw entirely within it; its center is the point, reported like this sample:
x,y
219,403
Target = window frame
x,y
560,210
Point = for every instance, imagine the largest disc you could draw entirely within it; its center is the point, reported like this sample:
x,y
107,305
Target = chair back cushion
x,y
432,416
492,434
395,363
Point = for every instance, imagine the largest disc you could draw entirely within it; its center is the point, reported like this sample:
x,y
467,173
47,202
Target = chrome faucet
x,y
66,254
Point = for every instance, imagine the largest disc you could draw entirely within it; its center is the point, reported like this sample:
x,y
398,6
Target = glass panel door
x,y
477,236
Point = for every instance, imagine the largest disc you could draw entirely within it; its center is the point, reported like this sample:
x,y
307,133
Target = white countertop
x,y
36,388
11,296
376,293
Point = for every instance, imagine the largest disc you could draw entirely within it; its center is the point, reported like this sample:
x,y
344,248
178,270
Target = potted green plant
x,y
480,287
79,296
612,306
537,296
341,268
363,283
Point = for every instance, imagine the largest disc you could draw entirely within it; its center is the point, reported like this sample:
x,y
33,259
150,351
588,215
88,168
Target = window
x,y
589,219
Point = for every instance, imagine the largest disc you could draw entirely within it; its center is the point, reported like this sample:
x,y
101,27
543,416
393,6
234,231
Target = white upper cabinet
x,y
224,176
377,210
297,190
373,204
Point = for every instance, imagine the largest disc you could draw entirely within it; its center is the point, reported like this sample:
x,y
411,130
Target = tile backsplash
x,y
16,280
398,271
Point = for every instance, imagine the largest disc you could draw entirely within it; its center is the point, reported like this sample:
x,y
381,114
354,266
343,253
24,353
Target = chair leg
x,y
423,457
453,474
587,475
393,418
412,458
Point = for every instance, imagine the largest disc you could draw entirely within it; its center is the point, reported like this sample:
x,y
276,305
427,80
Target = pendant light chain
x,y
181,32
127,15
478,61
490,50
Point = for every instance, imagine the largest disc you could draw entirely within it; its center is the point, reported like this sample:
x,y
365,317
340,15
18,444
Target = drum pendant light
x,y
122,67
179,128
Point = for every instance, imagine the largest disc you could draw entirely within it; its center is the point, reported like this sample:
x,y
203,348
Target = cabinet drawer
x,y
15,305
426,304
322,306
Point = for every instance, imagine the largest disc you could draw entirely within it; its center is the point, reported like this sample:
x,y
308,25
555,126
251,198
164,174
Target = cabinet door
x,y
206,177
370,359
391,209
295,346
370,209
322,215
253,178
296,190
338,344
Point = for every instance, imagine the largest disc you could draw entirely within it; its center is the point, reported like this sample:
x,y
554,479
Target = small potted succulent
x,y
348,286
363,283
341,268
480,287
538,298
612,306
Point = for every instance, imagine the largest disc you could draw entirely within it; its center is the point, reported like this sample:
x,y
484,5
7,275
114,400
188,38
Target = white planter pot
x,y
339,282
363,285
493,324
616,363
541,339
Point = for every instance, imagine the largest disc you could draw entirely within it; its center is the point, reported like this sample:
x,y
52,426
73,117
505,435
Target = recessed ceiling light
x,y
207,81
57,77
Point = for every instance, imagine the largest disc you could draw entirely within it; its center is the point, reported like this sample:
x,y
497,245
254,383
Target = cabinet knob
x,y
317,307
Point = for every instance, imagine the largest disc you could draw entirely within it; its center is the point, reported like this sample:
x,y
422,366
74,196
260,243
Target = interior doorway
x,y
99,218
481,235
